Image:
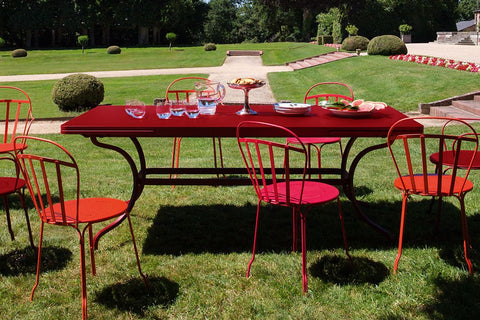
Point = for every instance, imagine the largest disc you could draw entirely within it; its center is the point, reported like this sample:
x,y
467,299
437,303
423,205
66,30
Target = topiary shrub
x,y
209,47
114,50
2,42
19,53
386,45
354,43
78,92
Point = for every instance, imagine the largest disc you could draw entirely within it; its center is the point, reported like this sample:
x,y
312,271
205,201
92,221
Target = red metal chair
x,y
183,89
329,91
417,176
53,181
16,107
11,185
268,165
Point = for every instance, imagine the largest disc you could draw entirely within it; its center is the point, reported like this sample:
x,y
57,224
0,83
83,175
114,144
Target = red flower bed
x,y
439,62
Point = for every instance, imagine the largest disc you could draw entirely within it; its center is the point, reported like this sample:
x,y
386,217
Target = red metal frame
x,y
319,143
181,94
283,188
46,177
418,176
16,106
112,121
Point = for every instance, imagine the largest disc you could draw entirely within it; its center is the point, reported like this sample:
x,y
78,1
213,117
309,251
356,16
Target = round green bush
x,y
354,43
114,50
78,92
386,45
19,53
210,47
2,42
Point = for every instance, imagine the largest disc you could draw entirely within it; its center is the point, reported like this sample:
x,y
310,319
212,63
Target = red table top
x,y
112,121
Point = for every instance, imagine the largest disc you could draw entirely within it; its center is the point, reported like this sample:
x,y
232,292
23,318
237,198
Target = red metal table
x,y
112,121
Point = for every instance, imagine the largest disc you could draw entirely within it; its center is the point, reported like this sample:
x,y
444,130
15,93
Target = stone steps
x,y
466,106
318,60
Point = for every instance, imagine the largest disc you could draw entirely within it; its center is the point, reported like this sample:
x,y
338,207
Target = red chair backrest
x,y
264,158
411,156
328,91
16,110
182,88
52,177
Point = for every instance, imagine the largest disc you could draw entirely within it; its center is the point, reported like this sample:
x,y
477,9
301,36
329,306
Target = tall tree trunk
x,y
28,39
143,36
106,34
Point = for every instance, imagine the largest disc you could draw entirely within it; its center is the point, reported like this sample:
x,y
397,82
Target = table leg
x,y
138,180
348,186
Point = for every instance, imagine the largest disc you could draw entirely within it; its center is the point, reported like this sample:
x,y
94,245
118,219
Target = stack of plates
x,y
289,108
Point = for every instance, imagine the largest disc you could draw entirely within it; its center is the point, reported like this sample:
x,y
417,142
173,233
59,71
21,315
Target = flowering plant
x,y
439,62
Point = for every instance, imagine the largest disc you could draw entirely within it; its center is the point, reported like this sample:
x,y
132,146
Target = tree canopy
x,y
57,23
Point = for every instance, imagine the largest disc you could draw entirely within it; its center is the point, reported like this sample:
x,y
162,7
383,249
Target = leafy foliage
x,y
354,43
78,92
209,47
19,53
114,50
386,45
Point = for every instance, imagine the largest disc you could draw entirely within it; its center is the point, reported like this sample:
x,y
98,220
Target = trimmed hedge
x,y
78,92
355,42
114,50
386,45
210,47
19,53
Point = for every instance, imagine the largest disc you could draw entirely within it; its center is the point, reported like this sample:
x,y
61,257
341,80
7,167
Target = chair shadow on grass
x,y
133,296
23,261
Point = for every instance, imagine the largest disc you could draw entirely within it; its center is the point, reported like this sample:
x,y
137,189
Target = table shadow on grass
x,y
22,261
134,296
338,269
178,230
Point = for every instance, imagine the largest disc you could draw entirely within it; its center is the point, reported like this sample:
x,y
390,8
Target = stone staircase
x,y
466,42
320,59
464,106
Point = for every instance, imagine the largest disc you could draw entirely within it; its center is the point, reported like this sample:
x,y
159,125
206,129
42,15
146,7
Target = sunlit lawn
x,y
196,241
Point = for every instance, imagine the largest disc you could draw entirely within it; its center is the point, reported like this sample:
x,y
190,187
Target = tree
x,y
83,41
220,25
466,8
171,37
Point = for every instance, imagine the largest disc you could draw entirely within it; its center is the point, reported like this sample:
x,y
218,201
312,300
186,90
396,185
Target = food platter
x,y
344,113
292,109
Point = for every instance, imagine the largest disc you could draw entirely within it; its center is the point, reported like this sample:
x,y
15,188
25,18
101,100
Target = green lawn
x,y
196,241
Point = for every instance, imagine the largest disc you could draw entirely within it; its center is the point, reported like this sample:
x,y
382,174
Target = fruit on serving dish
x,y
356,105
246,81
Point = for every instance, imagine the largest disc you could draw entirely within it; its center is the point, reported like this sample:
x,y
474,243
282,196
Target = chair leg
x,y
400,236
466,238
7,214
83,277
215,154
254,240
344,234
145,279
39,261
304,252
27,219
439,213
92,250
295,228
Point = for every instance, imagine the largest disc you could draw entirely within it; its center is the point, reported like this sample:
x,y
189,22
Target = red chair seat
x,y
8,147
90,210
313,193
432,182
9,185
463,160
324,140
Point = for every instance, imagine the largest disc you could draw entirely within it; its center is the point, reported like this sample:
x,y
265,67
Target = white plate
x,y
291,108
350,114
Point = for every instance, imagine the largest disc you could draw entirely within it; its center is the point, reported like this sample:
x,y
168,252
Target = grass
x,y
196,241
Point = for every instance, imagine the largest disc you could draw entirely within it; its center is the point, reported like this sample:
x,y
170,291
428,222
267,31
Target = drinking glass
x,y
162,109
135,108
192,111
177,108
